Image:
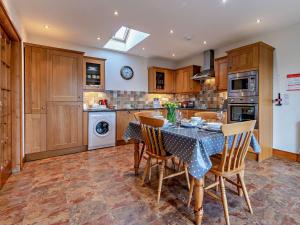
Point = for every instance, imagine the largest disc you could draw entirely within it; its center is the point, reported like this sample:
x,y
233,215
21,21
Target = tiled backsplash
x,y
207,98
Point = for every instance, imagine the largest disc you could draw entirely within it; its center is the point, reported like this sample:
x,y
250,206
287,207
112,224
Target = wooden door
x,y
35,79
64,76
170,80
94,78
221,73
243,59
5,108
64,125
35,133
123,119
180,85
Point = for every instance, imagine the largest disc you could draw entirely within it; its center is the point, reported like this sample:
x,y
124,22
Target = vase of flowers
x,y
171,108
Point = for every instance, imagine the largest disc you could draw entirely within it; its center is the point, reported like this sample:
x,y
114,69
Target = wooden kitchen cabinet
x,y
221,73
93,74
35,79
35,133
64,75
64,125
123,119
245,58
161,80
183,81
85,125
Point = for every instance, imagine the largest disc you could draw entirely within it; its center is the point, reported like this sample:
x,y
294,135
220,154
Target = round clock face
x,y
127,72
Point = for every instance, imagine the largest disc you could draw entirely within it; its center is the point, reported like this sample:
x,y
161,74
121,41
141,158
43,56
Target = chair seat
x,y
216,160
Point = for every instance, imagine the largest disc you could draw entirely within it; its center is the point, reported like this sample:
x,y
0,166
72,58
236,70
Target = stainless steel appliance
x,y
208,70
243,84
243,109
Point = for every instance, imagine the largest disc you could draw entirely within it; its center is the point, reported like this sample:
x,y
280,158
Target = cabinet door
x,y
221,73
93,74
123,119
64,125
35,133
64,76
181,84
35,79
170,80
243,59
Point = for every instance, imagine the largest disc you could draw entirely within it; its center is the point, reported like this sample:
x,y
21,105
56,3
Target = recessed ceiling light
x,y
258,20
173,54
98,38
143,49
116,13
224,1
46,27
204,42
171,31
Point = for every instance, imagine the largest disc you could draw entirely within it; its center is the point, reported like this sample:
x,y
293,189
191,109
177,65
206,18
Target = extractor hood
x,y
208,67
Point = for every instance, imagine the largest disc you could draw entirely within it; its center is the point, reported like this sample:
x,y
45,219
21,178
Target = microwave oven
x,y
243,84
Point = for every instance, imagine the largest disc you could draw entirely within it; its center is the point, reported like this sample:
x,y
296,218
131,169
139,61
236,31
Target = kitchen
x,y
77,97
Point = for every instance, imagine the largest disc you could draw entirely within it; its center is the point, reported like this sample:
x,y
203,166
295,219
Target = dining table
x,y
192,145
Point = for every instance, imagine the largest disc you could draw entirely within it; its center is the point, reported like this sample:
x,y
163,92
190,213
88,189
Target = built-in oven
x,y
243,109
243,84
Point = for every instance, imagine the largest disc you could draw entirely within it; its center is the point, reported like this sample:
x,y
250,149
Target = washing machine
x,y
102,130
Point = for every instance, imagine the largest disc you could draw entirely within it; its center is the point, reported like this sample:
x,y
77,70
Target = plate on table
x,y
188,125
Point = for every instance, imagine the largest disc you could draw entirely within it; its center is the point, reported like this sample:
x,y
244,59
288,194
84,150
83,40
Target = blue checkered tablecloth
x,y
192,145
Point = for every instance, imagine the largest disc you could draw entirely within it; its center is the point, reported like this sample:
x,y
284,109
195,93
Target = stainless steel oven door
x,y
243,84
243,112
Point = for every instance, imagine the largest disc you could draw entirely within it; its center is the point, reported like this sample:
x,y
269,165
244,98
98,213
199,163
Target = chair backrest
x,y
209,116
234,153
146,113
152,135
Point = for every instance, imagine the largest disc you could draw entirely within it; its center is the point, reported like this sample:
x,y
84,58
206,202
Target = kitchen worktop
x,y
146,108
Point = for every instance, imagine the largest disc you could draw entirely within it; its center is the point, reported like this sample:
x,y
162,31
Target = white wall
x,y
286,61
115,61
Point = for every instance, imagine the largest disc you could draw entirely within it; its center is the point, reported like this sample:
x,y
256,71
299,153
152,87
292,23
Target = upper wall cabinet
x,y
64,76
35,79
183,81
161,80
243,59
221,73
93,74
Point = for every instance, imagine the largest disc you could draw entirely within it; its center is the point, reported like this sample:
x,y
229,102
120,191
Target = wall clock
x,y
126,72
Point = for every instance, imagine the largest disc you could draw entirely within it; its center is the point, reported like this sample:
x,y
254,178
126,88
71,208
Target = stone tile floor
x,y
98,187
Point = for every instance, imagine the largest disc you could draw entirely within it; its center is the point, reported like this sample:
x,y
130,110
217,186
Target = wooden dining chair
x,y
231,163
210,116
155,150
146,113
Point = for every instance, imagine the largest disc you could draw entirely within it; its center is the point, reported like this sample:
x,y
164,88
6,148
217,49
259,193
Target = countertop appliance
x,y
243,109
188,104
102,130
243,84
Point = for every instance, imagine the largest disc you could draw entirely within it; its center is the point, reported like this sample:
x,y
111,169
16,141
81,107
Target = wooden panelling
x,y
286,155
221,73
64,125
85,124
35,79
64,76
101,63
123,119
35,133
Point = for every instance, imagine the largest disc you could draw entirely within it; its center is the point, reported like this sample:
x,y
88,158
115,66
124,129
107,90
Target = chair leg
x,y
191,191
161,176
147,167
150,169
142,153
245,193
240,190
216,179
187,175
224,200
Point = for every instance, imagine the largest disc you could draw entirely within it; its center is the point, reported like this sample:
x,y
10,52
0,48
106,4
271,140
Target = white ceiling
x,y
82,21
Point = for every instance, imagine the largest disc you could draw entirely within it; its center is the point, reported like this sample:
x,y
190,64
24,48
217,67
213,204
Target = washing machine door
x,y
102,128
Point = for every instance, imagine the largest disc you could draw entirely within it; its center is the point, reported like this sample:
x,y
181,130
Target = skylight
x,y
125,39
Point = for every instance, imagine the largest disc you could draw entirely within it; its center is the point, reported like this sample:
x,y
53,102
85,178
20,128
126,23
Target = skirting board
x,y
286,155
54,153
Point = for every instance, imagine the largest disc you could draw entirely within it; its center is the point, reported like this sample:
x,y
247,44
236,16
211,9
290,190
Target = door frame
x,y
17,88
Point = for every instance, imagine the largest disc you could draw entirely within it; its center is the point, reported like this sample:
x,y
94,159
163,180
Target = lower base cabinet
x,y
35,133
64,125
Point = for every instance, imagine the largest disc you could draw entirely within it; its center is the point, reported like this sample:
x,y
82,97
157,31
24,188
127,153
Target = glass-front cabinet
x,y
93,74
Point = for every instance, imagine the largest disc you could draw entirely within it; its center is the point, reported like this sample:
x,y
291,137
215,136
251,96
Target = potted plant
x,y
171,108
